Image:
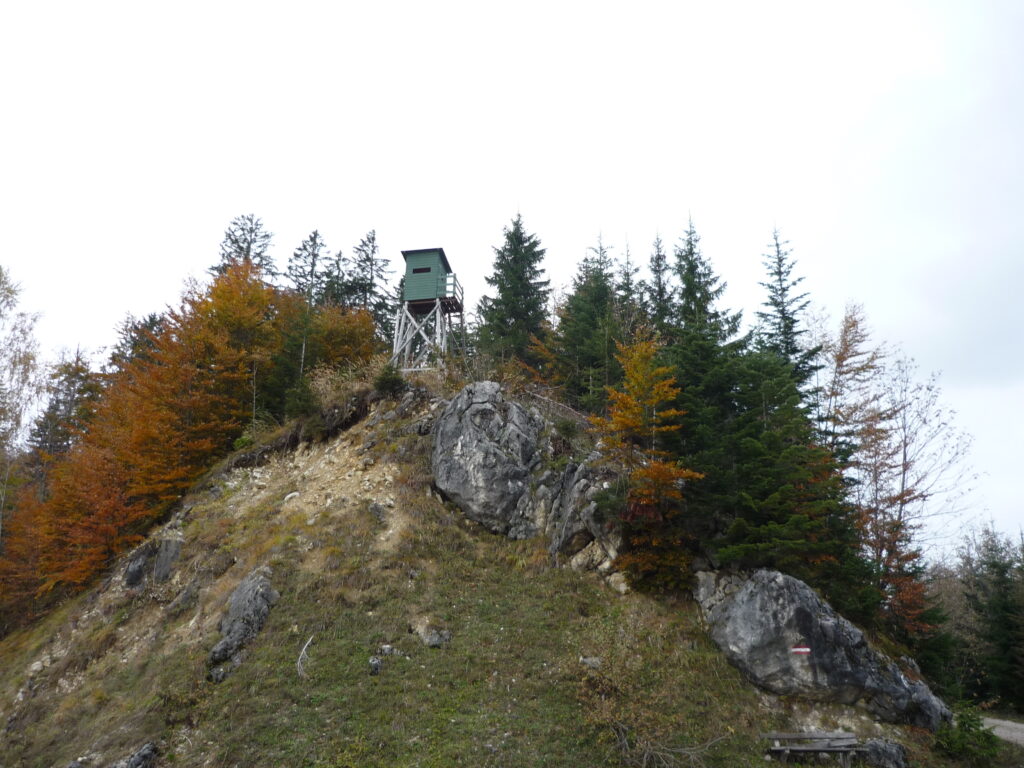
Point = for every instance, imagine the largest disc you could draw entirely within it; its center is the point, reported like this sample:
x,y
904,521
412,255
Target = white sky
x,y
882,138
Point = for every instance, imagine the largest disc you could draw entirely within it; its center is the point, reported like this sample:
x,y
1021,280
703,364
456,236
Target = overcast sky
x,y
882,139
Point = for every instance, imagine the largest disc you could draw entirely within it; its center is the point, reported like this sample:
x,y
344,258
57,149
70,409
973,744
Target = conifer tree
x,y
697,311
518,309
335,284
246,241
787,508
985,600
583,346
769,496
847,391
706,353
306,270
637,417
72,392
661,294
135,340
781,330
369,284
629,309
307,267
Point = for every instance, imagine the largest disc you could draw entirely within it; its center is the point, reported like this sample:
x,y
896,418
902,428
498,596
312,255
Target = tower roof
x,y
438,251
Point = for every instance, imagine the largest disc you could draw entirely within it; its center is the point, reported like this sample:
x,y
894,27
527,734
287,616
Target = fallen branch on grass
x,y
648,754
303,657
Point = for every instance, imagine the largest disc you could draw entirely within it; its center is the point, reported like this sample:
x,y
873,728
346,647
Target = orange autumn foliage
x,y
88,518
630,431
344,335
164,417
656,556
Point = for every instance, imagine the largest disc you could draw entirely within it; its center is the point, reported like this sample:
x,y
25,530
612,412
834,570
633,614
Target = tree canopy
x,y
517,310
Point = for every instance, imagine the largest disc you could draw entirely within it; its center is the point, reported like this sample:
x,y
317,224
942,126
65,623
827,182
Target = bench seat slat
x,y
810,735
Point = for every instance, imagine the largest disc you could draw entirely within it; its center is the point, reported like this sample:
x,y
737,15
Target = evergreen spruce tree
x,y
781,331
660,293
789,511
246,241
583,347
517,310
369,284
307,273
308,267
994,581
72,393
769,495
706,353
135,341
700,290
629,309
337,287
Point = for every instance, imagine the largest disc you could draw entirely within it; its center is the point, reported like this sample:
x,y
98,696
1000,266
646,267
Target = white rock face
x,y
488,459
484,450
787,640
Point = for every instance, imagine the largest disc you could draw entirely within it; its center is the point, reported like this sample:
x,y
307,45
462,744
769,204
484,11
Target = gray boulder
x,y
489,459
763,620
135,572
884,754
568,509
485,448
163,553
166,556
248,608
141,758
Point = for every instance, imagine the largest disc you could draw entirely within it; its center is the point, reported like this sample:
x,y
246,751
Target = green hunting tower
x,y
431,301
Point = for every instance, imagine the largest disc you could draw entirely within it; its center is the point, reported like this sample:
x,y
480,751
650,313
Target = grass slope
x,y
363,553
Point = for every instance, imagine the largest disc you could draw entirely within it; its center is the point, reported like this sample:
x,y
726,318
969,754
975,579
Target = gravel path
x,y
1006,729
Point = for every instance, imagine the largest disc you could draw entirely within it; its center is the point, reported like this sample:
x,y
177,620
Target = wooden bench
x,y
839,743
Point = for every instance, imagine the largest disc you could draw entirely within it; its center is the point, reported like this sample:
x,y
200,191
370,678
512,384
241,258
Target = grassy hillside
x,y
362,552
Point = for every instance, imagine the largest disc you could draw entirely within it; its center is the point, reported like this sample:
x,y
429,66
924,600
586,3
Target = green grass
x,y
508,690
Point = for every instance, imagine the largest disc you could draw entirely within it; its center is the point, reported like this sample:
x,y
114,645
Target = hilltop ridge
x,y
403,634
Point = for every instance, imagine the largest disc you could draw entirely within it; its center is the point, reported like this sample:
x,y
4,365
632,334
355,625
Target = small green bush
x,y
300,401
389,382
567,429
967,739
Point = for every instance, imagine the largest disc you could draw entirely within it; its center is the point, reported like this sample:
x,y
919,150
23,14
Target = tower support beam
x,y
421,338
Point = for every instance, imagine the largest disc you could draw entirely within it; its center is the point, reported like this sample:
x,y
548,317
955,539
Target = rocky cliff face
x,y
787,640
492,458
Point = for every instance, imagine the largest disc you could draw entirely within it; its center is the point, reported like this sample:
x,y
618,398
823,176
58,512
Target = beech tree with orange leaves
x,y
161,419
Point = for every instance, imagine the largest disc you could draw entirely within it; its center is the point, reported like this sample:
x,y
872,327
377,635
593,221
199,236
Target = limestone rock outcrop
x,y
787,640
484,450
161,552
884,754
491,458
248,608
141,758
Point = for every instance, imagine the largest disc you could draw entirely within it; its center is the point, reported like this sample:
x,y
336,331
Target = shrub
x,y
389,382
967,738
299,400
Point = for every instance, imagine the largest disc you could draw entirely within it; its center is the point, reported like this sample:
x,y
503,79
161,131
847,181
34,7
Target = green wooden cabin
x,y
428,277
